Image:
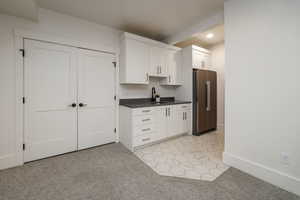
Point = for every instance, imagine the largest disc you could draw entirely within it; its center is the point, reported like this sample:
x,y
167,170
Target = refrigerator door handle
x,y
208,91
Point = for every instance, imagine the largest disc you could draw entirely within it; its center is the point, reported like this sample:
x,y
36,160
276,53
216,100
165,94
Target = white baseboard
x,y
275,177
220,127
7,161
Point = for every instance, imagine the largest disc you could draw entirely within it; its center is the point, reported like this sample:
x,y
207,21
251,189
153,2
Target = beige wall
x,y
218,64
262,129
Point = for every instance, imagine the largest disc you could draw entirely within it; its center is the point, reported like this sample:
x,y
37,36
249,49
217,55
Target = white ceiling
x,y
200,39
156,19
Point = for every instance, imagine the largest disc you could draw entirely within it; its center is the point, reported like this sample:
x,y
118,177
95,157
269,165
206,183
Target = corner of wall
x,y
285,181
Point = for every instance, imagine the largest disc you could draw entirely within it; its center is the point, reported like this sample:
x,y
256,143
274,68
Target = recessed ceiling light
x,y
210,35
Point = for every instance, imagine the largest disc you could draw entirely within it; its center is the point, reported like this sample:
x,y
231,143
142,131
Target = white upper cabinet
x,y
141,58
158,62
200,58
134,62
197,59
174,68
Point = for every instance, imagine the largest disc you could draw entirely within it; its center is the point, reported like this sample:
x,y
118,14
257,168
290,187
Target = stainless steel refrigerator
x,y
204,101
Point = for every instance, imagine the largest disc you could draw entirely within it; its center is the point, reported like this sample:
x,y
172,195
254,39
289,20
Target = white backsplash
x,y
144,91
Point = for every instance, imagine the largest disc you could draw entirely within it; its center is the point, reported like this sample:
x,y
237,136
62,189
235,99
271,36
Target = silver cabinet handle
x,y
157,69
169,111
146,129
160,69
169,78
145,111
166,112
147,77
183,116
145,120
145,139
208,107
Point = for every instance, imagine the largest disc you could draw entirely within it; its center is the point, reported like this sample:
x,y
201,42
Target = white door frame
x,y
19,36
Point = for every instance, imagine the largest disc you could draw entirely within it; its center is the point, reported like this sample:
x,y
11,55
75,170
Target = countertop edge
x,y
156,105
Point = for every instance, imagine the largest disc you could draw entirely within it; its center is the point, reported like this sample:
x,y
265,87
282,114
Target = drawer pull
x,y
145,120
145,139
146,110
183,106
146,129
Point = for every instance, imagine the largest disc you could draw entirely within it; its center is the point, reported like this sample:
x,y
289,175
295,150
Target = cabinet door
x,y
177,73
161,114
137,65
174,121
205,61
197,59
186,121
173,67
158,62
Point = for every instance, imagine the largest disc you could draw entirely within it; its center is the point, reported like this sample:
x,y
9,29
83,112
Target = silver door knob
x,y
82,105
73,105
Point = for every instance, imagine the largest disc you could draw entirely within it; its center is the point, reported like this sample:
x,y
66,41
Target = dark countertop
x,y
146,102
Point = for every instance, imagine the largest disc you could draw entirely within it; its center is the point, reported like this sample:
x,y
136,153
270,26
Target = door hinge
x,y
115,64
23,100
23,146
23,52
115,130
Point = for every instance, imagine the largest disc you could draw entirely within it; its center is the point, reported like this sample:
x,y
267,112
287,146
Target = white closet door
x,y
96,90
50,88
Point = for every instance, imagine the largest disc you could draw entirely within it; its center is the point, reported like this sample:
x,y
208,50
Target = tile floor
x,y
193,157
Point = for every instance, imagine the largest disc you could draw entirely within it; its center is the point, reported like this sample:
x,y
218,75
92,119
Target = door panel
x,y
187,121
96,90
50,87
212,113
138,59
161,122
174,121
201,103
158,61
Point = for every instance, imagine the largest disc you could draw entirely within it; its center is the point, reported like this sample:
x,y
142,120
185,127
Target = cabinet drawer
x,y
183,107
143,139
142,119
142,111
143,129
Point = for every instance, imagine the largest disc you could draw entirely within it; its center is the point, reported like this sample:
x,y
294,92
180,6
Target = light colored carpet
x,y
194,157
111,172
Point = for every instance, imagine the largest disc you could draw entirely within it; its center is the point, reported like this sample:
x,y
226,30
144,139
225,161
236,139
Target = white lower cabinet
x,y
140,126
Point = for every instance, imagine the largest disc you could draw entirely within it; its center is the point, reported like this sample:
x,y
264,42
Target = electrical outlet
x,y
285,158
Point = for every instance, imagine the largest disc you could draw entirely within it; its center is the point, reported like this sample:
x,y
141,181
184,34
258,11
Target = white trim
x,y
19,136
197,48
19,36
283,180
220,127
42,36
117,60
